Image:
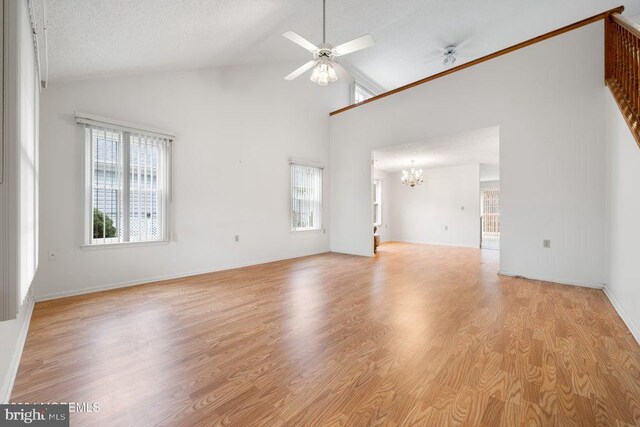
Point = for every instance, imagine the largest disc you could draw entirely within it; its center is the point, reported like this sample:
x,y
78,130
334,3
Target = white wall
x,y
547,99
18,191
490,185
420,214
623,216
489,172
236,129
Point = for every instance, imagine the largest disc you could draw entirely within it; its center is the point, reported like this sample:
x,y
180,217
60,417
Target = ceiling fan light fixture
x,y
323,54
324,73
450,56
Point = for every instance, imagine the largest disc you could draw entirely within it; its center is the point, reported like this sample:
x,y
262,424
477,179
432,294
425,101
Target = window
x,y
127,180
490,212
360,93
377,202
306,197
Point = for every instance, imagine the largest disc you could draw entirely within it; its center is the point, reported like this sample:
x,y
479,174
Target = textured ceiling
x,y
88,38
478,146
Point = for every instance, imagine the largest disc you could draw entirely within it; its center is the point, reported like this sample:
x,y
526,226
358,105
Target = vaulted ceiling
x,y
88,38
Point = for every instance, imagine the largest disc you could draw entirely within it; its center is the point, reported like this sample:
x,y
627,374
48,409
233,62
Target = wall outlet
x,y
52,256
237,238
546,243
446,227
462,208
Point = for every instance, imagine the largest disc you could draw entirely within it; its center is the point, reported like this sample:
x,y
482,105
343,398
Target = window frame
x,y
304,163
357,86
127,130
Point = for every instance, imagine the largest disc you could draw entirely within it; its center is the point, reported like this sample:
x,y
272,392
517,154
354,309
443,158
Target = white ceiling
x,y
478,146
88,38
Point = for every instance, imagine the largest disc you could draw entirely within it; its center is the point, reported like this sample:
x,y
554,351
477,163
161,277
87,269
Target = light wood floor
x,y
422,335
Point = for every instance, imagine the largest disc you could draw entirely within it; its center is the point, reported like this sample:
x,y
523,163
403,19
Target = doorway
x,y
490,218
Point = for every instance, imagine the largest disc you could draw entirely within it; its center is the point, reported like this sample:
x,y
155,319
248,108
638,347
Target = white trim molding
x,y
24,317
633,328
304,162
579,283
100,121
153,279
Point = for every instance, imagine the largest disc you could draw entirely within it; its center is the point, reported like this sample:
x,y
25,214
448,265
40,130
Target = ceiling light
x,y
324,73
412,177
324,55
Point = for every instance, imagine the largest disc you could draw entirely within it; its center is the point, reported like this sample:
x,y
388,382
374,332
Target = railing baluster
x,y
636,69
622,68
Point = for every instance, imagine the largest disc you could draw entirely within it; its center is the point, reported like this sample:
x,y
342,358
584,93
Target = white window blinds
x,y
306,197
127,180
377,202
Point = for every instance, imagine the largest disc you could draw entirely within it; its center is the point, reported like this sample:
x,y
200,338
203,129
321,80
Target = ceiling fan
x,y
449,54
324,55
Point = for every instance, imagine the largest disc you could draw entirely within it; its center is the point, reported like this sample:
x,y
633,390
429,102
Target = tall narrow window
x,y
127,176
306,197
360,93
377,202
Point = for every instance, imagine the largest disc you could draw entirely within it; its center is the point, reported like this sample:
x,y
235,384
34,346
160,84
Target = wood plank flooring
x,y
419,335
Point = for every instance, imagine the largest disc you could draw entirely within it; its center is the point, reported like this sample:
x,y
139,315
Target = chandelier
x,y
413,177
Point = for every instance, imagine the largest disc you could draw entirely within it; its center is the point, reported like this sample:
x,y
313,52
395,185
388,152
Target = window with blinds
x,y
306,197
377,202
127,185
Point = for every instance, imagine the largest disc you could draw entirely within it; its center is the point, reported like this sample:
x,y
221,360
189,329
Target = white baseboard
x,y
452,245
25,317
580,283
366,255
635,330
63,294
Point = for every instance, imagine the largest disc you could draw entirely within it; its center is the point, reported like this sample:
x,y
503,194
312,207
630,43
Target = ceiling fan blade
x,y
354,45
462,44
309,65
300,41
433,58
343,73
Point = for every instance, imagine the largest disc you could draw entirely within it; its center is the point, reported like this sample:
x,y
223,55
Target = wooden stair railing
x,y
622,68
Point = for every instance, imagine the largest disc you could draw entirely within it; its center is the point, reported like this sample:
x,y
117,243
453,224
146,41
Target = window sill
x,y
315,230
122,245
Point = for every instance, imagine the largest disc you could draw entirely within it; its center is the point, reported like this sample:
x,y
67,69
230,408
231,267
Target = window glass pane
x,y
145,212
107,185
306,197
360,93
